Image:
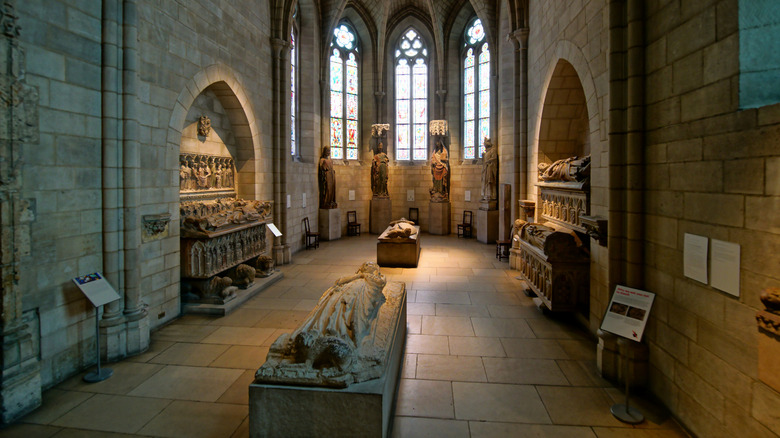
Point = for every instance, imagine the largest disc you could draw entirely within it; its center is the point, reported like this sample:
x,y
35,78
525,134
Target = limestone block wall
x,y
62,175
712,170
562,34
185,49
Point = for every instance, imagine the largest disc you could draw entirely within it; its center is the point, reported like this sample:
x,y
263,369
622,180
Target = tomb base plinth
x,y
360,409
399,253
241,296
329,224
487,225
439,218
381,215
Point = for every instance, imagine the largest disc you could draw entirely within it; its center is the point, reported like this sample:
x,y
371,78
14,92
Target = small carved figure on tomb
x,y
567,169
203,175
489,172
184,175
400,229
221,287
327,180
337,338
218,176
379,173
440,172
244,276
264,265
516,229
204,126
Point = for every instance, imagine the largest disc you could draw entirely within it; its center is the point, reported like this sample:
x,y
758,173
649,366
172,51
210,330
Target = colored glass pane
x,y
484,104
344,38
420,86
352,107
336,104
337,153
484,76
352,131
403,91
419,136
351,152
402,111
336,75
476,32
420,111
469,130
468,113
468,152
469,78
403,138
411,34
469,61
352,82
484,132
336,132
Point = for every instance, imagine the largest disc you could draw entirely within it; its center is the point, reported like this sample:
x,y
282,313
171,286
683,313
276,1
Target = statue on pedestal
x,y
440,172
489,172
327,180
379,170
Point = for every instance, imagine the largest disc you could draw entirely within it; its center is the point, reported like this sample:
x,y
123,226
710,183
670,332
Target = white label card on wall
x,y
96,288
724,261
304,200
410,195
288,201
627,312
351,195
695,257
467,196
274,230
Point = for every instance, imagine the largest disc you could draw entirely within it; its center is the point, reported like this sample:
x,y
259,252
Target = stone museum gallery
x,y
390,218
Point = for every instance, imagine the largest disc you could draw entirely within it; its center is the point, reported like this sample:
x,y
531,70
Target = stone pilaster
x,y
281,138
20,381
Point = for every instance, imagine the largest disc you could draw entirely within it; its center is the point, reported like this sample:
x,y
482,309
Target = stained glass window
x,y
476,90
411,97
344,96
293,103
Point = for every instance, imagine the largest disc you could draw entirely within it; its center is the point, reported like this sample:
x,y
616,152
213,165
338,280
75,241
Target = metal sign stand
x,y
99,374
624,412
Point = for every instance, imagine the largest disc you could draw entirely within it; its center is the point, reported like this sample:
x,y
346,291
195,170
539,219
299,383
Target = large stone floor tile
x,y
56,403
155,347
579,349
533,348
188,383
461,310
112,413
239,336
81,433
578,406
453,368
420,308
127,375
413,324
262,302
475,346
495,298
523,371
553,329
238,392
624,432
498,311
582,373
427,344
501,327
424,398
287,319
243,317
184,353
196,420
409,370
184,333
241,356
442,297
411,427
481,429
447,325
22,430
498,402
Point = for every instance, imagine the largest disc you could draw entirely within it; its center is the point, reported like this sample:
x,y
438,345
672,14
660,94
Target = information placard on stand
x,y
626,316
99,292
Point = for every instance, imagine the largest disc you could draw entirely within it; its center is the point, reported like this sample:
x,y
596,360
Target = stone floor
x,y
481,360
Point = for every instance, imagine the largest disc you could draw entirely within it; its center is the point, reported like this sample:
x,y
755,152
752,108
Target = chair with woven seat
x,y
414,215
353,227
464,228
312,238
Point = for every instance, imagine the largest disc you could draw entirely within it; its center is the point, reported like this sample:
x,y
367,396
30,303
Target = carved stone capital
x,y
155,226
519,38
379,129
8,19
438,127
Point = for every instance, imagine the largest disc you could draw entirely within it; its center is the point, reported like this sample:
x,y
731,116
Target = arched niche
x,y
228,137
564,129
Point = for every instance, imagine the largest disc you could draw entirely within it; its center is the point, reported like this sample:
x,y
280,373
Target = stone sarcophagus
x,y
218,236
564,192
554,263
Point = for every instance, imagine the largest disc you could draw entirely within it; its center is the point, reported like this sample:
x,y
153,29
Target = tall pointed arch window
x,y
293,93
344,114
476,91
411,97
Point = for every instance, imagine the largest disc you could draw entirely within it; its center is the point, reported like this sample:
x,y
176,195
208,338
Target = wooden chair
x,y
502,249
353,227
464,228
312,239
414,215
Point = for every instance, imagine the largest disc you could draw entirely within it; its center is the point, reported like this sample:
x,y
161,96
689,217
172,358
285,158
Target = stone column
x,y
20,378
137,336
519,39
281,138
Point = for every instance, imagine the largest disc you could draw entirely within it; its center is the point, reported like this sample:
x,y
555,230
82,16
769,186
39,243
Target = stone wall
x,y
712,170
561,34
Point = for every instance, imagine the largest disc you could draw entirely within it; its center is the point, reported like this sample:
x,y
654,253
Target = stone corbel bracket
x,y
596,226
155,226
438,127
379,129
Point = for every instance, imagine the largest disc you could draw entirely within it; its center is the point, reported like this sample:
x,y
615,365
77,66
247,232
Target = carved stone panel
x,y
564,204
206,173
207,256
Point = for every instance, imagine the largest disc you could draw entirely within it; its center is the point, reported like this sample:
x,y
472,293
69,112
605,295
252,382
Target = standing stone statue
x,y
489,172
327,180
379,173
440,172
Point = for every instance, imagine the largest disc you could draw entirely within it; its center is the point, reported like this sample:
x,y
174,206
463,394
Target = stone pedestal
x,y
242,295
329,224
439,218
769,348
381,215
487,222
